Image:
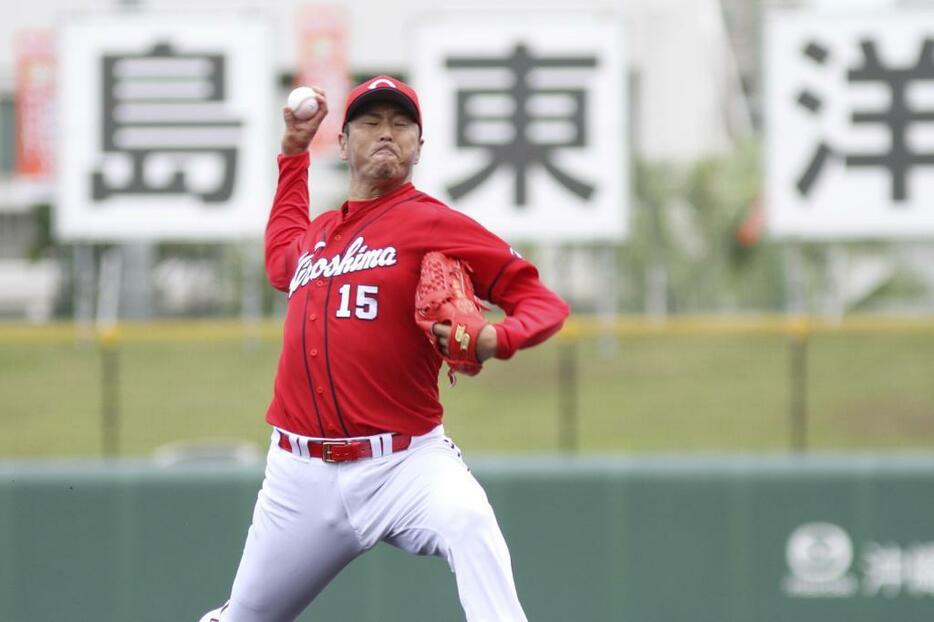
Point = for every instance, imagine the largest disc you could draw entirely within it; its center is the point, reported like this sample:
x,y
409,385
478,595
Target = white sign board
x,y
525,121
164,128
850,125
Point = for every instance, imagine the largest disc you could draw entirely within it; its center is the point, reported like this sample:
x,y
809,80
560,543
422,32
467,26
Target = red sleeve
x,y
534,312
288,220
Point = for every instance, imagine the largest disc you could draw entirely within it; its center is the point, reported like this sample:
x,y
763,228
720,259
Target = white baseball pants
x,y
312,518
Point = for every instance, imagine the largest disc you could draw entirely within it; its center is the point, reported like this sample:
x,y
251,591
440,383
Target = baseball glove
x,y
445,294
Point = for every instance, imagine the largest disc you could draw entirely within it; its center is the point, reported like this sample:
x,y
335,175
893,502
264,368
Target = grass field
x,y
646,391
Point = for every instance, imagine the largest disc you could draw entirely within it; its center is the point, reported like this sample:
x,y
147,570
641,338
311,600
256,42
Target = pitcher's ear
x,y
342,143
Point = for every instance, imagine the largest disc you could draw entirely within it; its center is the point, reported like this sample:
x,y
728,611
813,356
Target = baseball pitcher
x,y
380,293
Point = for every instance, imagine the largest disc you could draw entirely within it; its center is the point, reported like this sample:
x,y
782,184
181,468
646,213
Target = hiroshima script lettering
x,y
358,257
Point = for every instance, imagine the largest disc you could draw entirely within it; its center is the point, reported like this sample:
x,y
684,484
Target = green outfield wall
x,y
781,539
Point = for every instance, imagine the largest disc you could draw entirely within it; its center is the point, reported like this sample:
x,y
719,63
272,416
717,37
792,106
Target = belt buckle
x,y
327,448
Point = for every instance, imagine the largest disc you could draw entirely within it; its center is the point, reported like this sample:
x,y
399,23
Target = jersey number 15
x,y
366,306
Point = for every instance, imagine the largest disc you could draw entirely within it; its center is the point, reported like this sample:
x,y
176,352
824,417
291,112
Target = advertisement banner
x,y
322,61
35,103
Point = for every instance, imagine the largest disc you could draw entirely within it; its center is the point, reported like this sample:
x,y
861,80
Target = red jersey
x,y
354,362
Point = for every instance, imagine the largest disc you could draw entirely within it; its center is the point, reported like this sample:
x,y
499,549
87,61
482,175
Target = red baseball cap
x,y
382,88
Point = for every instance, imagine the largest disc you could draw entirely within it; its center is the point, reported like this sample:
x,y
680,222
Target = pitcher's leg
x,y
478,554
441,509
299,541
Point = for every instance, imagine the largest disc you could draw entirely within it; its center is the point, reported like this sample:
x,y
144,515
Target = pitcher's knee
x,y
466,522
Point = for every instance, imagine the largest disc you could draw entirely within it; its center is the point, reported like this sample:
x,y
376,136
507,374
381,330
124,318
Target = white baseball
x,y
303,103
